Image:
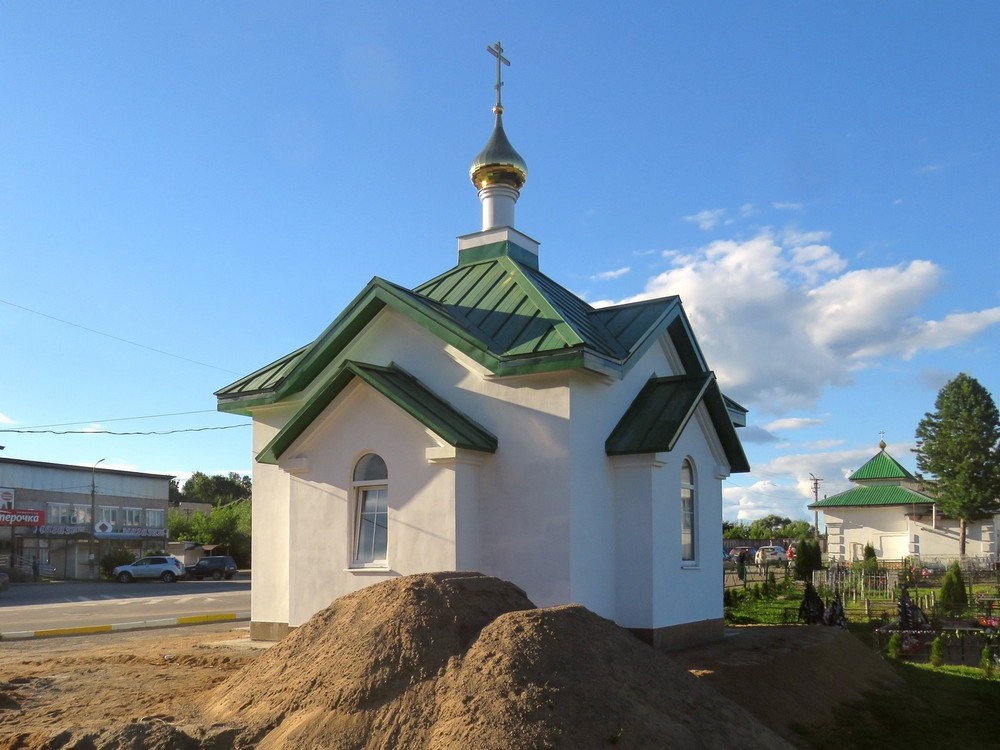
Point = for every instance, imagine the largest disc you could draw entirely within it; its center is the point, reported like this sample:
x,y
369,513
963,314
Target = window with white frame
x,y
131,516
154,518
59,513
109,515
688,518
371,492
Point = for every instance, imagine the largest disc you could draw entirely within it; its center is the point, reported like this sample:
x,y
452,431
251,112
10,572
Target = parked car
x,y
4,580
215,567
728,561
770,554
735,554
167,569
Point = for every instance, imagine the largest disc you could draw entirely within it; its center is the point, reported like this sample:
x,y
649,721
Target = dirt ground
x,y
442,662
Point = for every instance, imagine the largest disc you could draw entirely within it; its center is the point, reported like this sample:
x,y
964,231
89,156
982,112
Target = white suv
x,y
167,569
769,555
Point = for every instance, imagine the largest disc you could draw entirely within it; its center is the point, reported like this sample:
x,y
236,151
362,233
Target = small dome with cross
x,y
498,163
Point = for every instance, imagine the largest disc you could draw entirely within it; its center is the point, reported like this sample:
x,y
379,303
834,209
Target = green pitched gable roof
x,y
504,314
874,496
402,389
881,466
654,421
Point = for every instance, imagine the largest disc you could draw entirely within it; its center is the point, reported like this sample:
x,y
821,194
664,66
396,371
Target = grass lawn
x,y
936,706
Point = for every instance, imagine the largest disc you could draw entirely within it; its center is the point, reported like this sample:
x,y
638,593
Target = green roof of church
x,y
881,466
512,319
503,314
881,479
654,421
874,496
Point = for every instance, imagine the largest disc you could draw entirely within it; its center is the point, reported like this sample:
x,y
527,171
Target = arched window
x,y
371,489
688,518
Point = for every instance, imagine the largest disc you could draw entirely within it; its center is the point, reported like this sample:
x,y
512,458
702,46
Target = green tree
x,y
218,489
808,557
796,530
986,662
735,530
954,599
768,527
958,446
225,524
937,652
870,562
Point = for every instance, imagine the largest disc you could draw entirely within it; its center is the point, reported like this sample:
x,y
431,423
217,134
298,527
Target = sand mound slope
x,y
462,660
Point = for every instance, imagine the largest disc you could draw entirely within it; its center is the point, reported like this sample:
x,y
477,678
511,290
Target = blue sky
x,y
817,181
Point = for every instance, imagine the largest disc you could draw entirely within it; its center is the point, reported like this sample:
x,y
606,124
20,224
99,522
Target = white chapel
x,y
490,420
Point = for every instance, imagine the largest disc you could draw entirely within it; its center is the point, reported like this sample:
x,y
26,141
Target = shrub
x,y
808,557
895,648
114,558
937,652
986,662
953,597
870,562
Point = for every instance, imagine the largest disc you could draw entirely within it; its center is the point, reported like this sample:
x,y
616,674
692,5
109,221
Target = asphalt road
x,y
76,606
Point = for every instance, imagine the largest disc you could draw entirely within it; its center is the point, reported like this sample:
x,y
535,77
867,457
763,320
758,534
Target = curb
x,y
122,626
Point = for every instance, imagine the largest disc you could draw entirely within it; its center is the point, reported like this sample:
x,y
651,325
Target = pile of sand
x,y
462,660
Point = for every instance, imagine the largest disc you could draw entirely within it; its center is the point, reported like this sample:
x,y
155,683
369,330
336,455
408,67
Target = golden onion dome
x,y
498,163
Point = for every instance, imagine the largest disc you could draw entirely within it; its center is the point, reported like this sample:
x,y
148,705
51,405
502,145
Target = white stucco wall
x,y
548,511
895,536
689,592
421,518
270,540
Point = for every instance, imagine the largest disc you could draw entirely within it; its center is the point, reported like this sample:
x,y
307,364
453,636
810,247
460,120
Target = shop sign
x,y
22,517
6,497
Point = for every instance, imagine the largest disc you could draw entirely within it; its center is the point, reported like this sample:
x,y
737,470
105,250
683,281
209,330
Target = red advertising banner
x,y
22,517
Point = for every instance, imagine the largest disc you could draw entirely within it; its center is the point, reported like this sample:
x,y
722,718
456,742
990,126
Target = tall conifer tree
x,y
958,446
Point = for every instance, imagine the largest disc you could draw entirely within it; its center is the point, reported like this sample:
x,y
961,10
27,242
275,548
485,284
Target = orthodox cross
x,y
497,51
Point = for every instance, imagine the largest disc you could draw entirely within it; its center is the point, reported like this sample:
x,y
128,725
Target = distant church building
x,y
888,509
490,420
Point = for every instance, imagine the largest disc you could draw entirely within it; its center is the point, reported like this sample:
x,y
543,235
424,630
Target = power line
x,y
120,419
110,432
117,338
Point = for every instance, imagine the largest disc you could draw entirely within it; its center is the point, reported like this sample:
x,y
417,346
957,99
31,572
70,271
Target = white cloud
x,y
707,219
608,275
780,319
787,206
792,423
4,419
747,210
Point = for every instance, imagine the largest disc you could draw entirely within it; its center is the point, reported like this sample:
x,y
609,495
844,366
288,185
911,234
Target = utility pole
x,y
815,483
93,519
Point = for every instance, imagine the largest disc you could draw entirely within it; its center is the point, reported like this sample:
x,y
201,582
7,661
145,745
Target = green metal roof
x,y
874,496
654,421
497,308
403,390
881,466
503,314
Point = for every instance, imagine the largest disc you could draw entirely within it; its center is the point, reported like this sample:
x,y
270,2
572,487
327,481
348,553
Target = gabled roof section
x,y
265,379
654,421
874,496
402,389
505,315
881,466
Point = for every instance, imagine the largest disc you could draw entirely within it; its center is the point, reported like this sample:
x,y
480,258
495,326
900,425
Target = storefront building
x,y
60,519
